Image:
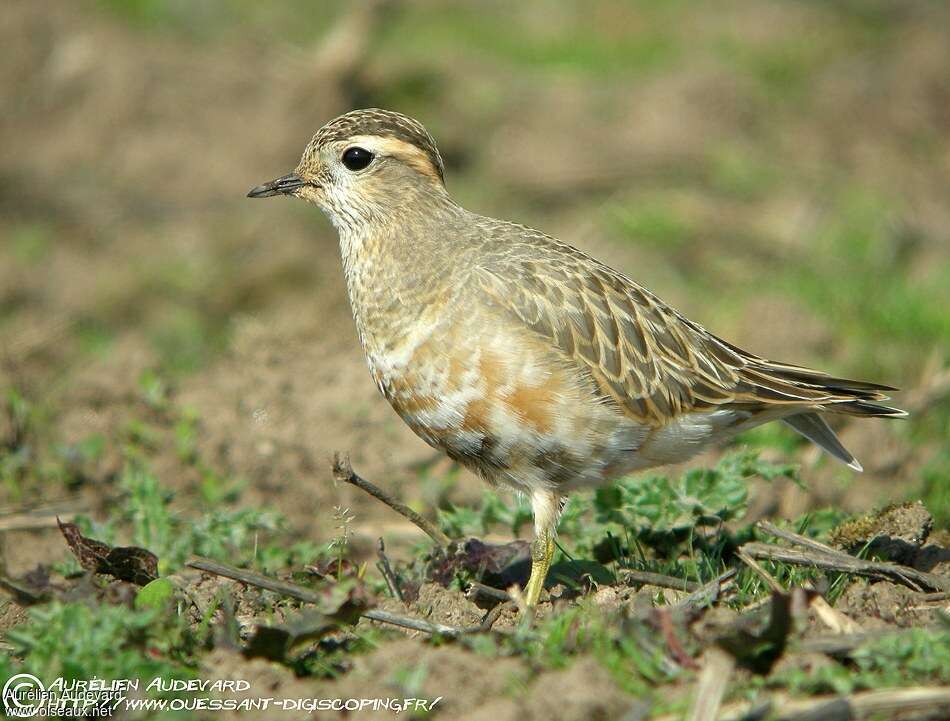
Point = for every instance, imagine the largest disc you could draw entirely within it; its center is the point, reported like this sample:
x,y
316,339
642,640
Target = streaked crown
x,y
382,123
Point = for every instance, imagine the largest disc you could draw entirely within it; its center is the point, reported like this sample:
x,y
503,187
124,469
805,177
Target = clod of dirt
x,y
501,564
476,688
11,614
583,691
897,532
933,558
876,605
442,605
246,605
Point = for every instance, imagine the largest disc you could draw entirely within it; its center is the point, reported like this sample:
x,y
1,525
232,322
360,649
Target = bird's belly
x,y
514,413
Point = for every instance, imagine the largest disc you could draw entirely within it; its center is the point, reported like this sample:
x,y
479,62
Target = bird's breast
x,y
502,404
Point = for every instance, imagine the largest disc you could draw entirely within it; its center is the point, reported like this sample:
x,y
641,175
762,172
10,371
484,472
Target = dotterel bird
x,y
518,355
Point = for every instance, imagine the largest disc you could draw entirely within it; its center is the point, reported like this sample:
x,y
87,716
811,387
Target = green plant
x,y
80,641
914,656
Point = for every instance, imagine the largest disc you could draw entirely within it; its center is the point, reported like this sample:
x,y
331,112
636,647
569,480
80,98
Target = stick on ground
x,y
797,539
773,585
658,579
881,569
888,703
837,561
709,593
479,591
292,590
713,680
343,471
387,570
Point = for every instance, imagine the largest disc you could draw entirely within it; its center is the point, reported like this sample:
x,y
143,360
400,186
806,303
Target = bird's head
x,y
363,167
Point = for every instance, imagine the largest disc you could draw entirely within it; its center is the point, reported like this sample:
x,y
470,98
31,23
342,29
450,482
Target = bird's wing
x,y
653,362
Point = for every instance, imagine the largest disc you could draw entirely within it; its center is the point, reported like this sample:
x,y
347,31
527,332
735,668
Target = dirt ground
x,y
127,248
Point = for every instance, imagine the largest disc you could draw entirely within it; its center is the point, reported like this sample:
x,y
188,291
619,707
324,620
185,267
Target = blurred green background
x,y
779,171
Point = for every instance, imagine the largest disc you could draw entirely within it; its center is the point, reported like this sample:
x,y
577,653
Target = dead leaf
x,y
758,651
498,565
333,568
340,604
127,563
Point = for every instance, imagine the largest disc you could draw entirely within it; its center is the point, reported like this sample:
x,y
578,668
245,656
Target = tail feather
x,y
864,409
808,382
815,429
862,389
780,383
823,393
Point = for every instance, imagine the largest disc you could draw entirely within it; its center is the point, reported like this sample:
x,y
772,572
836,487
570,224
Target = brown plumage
x,y
520,356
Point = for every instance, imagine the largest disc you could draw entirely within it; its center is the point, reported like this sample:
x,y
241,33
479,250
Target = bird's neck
x,y
399,266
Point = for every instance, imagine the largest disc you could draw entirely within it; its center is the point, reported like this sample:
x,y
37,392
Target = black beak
x,y
284,185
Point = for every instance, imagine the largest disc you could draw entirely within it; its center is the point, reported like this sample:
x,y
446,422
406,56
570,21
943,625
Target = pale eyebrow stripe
x,y
407,152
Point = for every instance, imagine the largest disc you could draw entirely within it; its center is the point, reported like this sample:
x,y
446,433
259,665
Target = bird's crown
x,y
379,123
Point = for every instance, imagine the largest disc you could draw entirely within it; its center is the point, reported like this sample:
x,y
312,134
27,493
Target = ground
x,y
178,364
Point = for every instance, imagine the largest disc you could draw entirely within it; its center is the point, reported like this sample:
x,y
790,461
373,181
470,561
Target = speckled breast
x,y
504,404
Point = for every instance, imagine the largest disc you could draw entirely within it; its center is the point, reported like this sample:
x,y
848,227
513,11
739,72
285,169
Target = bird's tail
x,y
842,396
815,429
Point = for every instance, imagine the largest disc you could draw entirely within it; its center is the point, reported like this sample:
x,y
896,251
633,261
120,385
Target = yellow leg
x,y
546,506
542,551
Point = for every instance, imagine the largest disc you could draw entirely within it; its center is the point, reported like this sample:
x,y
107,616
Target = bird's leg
x,y
542,550
545,505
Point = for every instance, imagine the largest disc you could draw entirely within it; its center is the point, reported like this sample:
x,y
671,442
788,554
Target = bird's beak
x,y
285,185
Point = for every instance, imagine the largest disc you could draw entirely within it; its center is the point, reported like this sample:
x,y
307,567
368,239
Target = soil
x,y
128,152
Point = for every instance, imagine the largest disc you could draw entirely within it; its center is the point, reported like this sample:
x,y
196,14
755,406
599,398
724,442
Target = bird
x,y
520,356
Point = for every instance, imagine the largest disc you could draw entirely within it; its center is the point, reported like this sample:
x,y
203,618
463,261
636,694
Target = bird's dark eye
x,y
356,158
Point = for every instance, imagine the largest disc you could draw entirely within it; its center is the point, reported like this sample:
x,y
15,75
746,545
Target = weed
x,y
627,649
915,656
79,641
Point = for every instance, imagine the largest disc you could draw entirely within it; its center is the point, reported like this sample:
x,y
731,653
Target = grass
x,y
575,44
919,656
616,523
685,526
654,224
880,301
624,648
145,512
82,641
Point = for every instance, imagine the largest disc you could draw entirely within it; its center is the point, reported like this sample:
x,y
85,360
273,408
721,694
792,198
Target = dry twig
x,y
707,594
842,562
796,538
711,687
834,619
479,591
20,594
343,471
884,704
845,643
494,614
664,619
300,593
773,585
387,570
28,519
346,47
658,579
